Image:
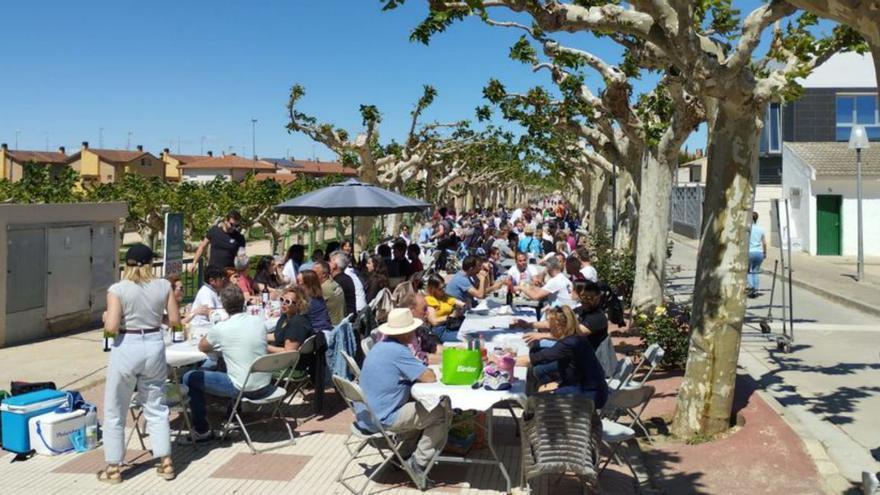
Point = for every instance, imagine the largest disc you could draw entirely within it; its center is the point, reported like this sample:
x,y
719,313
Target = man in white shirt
x,y
359,294
208,297
522,271
588,270
557,286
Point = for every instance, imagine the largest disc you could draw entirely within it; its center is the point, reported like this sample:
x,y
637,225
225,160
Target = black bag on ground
x,y
19,387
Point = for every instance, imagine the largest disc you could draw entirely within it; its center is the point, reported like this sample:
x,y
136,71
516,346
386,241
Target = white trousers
x,y
136,361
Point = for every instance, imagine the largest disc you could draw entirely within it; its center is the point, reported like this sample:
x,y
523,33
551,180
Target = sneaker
x,y
196,437
870,483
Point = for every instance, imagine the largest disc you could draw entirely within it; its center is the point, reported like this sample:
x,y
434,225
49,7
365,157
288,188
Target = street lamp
x,y
858,140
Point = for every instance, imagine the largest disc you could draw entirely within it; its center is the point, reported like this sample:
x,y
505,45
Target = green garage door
x,y
828,225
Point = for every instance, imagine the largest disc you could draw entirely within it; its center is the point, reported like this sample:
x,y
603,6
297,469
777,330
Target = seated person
x,y
241,339
557,286
399,265
267,276
387,376
571,365
593,322
440,307
317,312
462,286
522,272
208,297
413,251
293,327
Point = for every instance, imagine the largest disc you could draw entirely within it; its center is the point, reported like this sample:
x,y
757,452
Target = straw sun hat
x,y
400,321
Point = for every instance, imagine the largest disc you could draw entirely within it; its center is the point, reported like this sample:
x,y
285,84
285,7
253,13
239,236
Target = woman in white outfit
x,y
135,306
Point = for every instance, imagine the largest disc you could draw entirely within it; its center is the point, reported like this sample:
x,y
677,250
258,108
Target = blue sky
x,y
180,70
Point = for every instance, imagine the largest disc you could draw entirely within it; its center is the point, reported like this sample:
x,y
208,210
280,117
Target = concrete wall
x,y
797,175
31,326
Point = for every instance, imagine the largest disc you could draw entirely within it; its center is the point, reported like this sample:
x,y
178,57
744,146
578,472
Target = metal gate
x,y
687,210
69,267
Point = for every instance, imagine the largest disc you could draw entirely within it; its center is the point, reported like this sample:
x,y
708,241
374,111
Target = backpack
x,y
611,304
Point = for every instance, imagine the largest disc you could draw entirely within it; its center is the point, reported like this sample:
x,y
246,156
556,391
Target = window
x,y
771,135
858,109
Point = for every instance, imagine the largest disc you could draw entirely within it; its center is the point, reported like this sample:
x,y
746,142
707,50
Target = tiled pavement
x,y
310,466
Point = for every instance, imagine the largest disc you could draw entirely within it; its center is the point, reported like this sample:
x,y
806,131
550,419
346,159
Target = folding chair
x,y
631,402
175,397
295,382
652,357
622,374
613,435
270,363
352,366
385,442
367,343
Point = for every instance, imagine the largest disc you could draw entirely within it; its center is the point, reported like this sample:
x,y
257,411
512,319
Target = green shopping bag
x,y
461,366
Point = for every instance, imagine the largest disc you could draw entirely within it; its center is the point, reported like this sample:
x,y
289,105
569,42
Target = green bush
x,y
617,268
670,329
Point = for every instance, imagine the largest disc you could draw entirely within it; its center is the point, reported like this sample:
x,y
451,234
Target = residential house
x,y
107,166
312,168
818,170
13,161
230,167
172,161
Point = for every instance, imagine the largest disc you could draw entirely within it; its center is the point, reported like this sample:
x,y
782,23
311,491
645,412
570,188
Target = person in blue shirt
x,y
462,286
529,244
388,374
757,253
426,233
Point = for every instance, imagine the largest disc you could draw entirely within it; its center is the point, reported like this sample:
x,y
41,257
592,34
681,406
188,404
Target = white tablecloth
x,y
466,398
496,330
184,354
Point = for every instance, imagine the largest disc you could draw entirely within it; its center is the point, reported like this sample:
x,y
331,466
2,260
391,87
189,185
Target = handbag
x,y
461,366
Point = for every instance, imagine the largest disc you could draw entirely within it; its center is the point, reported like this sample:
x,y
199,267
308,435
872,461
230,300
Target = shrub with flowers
x,y
615,267
669,327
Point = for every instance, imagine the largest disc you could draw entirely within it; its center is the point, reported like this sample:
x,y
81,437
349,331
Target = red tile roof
x,y
324,168
279,178
23,156
117,156
228,162
188,158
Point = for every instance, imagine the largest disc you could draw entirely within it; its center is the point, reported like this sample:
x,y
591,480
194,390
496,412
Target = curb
x,y
803,284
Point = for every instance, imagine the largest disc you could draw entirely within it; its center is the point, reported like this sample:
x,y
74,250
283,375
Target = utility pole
x,y
100,137
128,141
254,141
17,132
178,145
47,140
202,145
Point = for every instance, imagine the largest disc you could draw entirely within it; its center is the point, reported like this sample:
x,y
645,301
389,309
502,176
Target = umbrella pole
x,y
352,239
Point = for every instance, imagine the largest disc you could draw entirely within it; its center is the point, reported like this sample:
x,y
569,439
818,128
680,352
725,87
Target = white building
x,y
230,167
819,179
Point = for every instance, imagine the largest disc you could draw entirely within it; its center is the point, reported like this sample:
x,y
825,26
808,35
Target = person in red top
x,y
245,283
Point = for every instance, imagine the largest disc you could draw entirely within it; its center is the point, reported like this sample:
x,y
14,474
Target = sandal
x,y
110,475
166,471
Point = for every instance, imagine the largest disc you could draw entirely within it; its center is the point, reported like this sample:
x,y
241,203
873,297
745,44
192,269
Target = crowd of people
x,y
534,252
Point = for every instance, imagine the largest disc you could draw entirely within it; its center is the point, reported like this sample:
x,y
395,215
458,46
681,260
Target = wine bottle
x,y
265,295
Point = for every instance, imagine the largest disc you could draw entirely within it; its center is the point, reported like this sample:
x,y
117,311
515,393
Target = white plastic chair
x,y
613,435
296,383
622,374
631,402
652,358
270,363
367,343
352,366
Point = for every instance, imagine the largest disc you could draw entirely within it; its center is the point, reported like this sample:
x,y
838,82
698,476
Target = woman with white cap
x,y
135,306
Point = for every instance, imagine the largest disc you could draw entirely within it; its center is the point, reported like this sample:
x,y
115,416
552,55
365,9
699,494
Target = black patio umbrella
x,y
350,198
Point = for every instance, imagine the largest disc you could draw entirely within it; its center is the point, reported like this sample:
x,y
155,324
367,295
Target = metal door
x,y
25,269
103,263
69,269
828,225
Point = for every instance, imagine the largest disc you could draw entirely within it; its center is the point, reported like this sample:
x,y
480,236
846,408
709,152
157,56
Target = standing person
x,y
529,244
338,264
757,253
426,233
404,234
360,295
399,266
225,240
135,306
332,293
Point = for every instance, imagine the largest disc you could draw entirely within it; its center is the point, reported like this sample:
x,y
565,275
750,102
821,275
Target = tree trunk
x,y
626,210
602,188
706,396
653,231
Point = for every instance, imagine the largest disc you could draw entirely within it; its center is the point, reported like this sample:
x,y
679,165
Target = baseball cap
x,y
138,255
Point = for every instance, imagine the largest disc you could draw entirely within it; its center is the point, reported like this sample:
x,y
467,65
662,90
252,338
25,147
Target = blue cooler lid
x,y
32,397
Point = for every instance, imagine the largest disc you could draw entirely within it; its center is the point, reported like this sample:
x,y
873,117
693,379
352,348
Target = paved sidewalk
x,y
829,385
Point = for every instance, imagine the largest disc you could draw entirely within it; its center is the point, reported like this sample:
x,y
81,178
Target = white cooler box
x,y
50,432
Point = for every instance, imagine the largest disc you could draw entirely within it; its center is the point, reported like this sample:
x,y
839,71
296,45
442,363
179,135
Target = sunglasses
x,y
287,302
